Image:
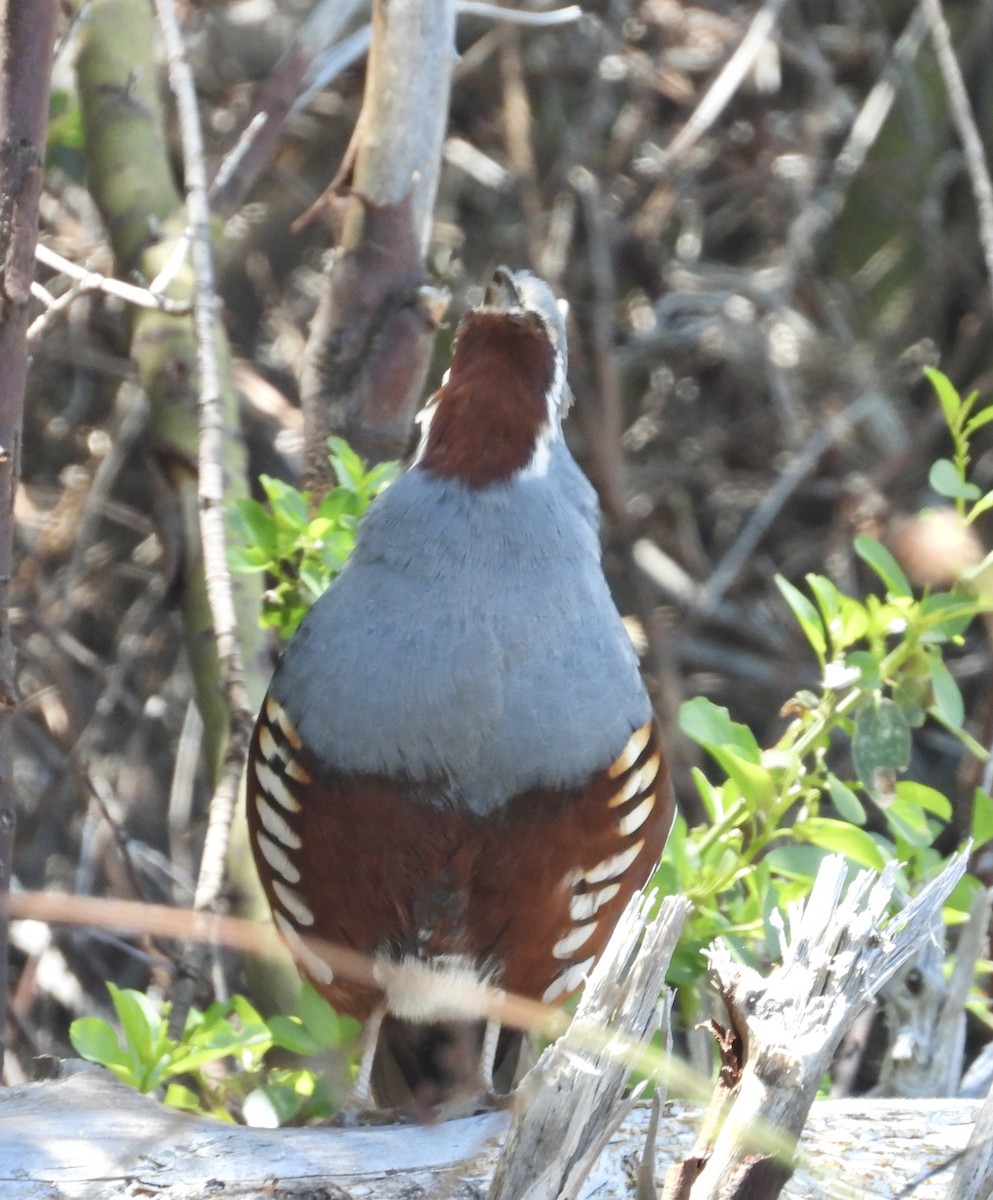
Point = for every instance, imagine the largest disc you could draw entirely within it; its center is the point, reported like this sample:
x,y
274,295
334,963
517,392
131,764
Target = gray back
x,y
470,642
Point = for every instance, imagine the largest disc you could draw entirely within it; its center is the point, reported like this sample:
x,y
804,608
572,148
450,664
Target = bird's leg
x,y
487,1056
362,1091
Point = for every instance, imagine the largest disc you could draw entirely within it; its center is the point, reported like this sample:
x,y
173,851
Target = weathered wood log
x,y
89,1137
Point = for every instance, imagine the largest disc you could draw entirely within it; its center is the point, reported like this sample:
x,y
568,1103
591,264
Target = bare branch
x,y
371,338
972,143
91,281
211,491
27,34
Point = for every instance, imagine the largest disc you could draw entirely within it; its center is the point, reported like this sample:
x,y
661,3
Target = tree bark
x,y
27,33
371,339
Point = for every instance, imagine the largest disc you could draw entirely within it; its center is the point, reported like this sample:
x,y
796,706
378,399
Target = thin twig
x,y
519,16
91,281
723,89
862,136
972,144
210,491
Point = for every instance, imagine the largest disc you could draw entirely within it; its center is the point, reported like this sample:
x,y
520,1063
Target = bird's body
x,y
457,761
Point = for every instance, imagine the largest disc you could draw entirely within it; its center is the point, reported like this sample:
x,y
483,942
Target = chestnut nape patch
x,y
487,418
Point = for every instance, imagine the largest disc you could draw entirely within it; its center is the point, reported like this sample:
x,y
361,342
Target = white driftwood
x,y
88,1137
840,951
925,1012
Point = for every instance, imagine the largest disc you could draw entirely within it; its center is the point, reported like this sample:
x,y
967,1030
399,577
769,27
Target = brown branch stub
x,y
371,339
27,35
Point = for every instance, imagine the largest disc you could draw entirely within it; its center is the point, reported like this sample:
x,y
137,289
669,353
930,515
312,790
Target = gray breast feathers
x,y
486,656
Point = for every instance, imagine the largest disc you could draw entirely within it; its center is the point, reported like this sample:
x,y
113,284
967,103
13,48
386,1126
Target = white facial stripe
x,y
566,947
567,981
616,865
275,788
312,963
293,903
277,858
425,417
585,905
558,394
629,755
276,825
538,466
634,820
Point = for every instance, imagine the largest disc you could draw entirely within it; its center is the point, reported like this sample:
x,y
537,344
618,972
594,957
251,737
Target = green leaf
x,y
853,620
875,555
982,817
807,616
881,745
796,861
142,1024
841,838
710,794
248,559
947,615
94,1039
381,476
827,595
908,824
289,1033
927,798
710,725
849,806
250,521
945,478
321,1021
315,578
980,507
349,469
336,502
947,697
979,419
947,394
183,1098
289,505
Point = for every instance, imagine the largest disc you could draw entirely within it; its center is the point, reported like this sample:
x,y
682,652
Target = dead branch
x,y
212,495
570,1104
27,34
785,1030
371,337
965,123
